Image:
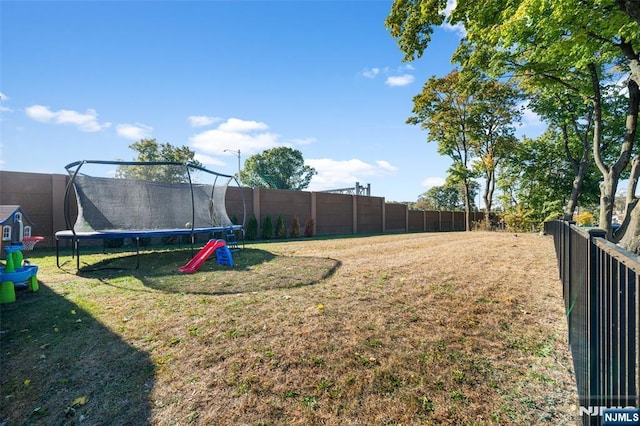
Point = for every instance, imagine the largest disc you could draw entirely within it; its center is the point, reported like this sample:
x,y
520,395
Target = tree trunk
x,y
572,204
630,204
467,206
612,174
631,238
580,167
629,233
631,8
490,187
607,200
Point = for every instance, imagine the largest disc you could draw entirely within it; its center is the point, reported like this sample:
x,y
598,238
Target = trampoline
x,y
145,200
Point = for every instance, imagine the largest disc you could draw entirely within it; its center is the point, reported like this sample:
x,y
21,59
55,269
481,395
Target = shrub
x,y
252,229
294,228
584,219
519,219
267,227
308,227
281,228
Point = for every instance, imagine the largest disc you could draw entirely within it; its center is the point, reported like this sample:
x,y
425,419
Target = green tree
x,y
277,168
443,110
536,178
294,227
544,42
443,197
309,227
267,227
281,227
149,150
494,113
471,118
252,228
575,121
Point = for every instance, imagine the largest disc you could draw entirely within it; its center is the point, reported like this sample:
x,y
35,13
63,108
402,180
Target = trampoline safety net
x,y
148,196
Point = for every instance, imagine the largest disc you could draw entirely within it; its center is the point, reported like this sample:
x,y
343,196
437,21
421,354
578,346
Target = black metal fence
x,y
601,290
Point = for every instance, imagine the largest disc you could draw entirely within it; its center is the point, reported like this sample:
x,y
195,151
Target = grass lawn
x,y
442,328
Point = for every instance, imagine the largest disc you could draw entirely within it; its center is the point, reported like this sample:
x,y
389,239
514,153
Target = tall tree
x,y
471,118
444,110
149,150
571,121
277,168
495,111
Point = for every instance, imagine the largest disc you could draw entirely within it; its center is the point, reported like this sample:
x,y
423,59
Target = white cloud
x,y
208,160
134,131
385,165
249,137
399,80
371,72
3,98
392,80
237,125
87,121
39,113
430,182
458,28
202,120
333,174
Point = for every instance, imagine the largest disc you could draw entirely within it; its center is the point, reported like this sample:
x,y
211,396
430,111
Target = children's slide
x,y
209,248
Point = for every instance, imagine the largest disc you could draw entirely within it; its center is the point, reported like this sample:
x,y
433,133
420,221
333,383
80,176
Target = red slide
x,y
197,261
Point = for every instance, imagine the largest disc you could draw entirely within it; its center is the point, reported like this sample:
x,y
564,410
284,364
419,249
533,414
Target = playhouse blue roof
x,y
7,212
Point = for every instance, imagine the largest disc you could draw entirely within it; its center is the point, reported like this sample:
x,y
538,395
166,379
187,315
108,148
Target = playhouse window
x,y
17,216
6,233
27,231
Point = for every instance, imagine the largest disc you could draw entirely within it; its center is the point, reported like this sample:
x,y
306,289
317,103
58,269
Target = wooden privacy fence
x,y
601,289
42,198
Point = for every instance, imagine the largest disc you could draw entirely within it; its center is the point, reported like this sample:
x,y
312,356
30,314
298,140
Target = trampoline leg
x,y
76,248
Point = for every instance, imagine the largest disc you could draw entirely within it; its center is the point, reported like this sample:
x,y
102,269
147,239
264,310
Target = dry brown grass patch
x,y
455,328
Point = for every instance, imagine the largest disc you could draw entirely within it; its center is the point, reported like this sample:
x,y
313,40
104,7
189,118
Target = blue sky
x,y
84,80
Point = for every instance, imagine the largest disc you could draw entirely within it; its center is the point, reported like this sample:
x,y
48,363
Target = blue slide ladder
x,y
223,255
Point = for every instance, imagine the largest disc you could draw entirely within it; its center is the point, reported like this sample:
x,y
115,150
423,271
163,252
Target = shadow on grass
x,y
253,270
59,365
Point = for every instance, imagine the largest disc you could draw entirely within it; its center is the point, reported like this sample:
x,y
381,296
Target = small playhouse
x,y
16,237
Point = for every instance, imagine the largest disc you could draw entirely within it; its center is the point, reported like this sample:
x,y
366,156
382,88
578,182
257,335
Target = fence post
x,y
406,218
384,215
594,332
354,214
256,208
565,261
314,216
